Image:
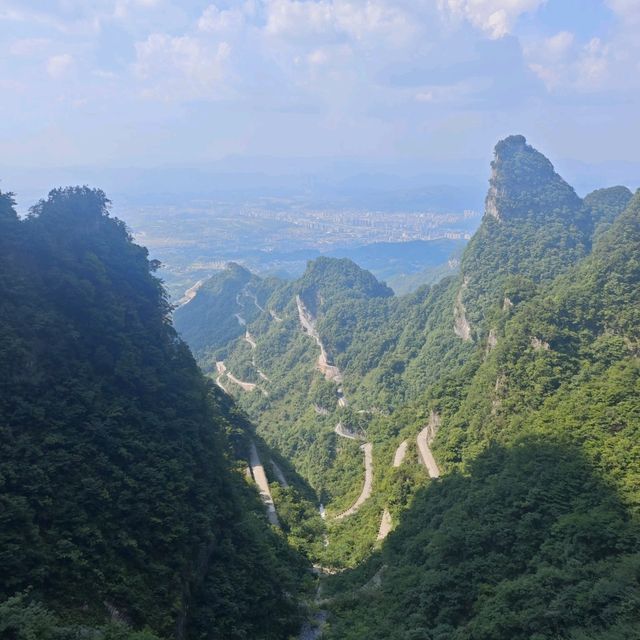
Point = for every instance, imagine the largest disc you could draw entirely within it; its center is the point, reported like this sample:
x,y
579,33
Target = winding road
x,y
333,374
425,438
253,296
222,370
386,524
245,386
257,471
343,432
330,371
368,482
252,343
400,453
190,294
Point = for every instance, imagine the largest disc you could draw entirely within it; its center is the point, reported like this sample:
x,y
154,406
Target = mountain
x,y
489,421
534,532
605,205
458,463
405,266
223,306
120,492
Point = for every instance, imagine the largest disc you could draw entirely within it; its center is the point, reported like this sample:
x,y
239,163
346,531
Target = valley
x,y
383,404
342,462
300,340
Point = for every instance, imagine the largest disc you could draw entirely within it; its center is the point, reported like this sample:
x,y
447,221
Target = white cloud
x,y
58,66
333,20
181,67
628,10
318,57
563,65
558,45
215,20
496,17
593,65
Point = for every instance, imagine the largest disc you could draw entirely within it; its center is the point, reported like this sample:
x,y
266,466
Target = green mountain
x,y
223,306
514,383
535,531
121,499
458,463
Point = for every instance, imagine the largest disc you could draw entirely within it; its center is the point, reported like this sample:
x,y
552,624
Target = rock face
x,y
461,325
520,173
490,206
492,340
308,324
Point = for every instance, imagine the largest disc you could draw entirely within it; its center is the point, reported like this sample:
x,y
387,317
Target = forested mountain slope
x,y
535,530
220,311
389,349
118,490
523,374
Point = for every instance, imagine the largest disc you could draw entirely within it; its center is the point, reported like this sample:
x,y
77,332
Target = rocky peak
x,y
524,182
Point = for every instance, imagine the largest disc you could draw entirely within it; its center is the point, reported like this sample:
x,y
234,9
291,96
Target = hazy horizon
x,y
317,88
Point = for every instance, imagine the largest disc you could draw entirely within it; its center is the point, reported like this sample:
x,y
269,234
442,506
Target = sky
x,y
425,83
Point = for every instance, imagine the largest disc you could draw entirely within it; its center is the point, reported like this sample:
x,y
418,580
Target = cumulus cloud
x,y
58,66
564,65
337,19
181,67
496,17
397,65
215,20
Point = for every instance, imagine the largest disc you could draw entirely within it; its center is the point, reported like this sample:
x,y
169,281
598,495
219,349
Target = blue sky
x,y
144,83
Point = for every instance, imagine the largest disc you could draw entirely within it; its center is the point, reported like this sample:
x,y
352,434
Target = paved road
x,y
222,370
344,433
330,371
189,294
368,483
425,452
257,471
401,452
386,524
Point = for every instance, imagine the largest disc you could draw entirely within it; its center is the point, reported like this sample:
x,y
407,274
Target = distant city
x,y
194,240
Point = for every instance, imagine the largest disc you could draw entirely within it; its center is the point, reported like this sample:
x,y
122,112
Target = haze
x,y
321,87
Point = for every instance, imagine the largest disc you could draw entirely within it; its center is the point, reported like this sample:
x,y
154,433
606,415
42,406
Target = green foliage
x,y
116,485
215,316
605,205
529,544
22,618
532,531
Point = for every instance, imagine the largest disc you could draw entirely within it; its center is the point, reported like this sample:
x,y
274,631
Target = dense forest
x,y
458,463
523,371
123,513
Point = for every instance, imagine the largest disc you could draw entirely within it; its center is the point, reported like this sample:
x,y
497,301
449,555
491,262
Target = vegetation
x,y
118,495
123,512
530,357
